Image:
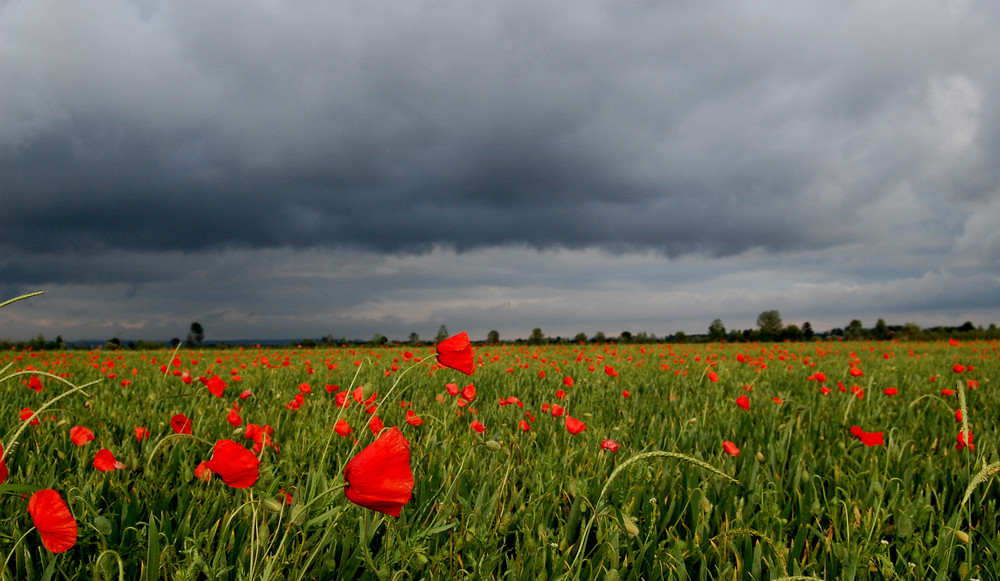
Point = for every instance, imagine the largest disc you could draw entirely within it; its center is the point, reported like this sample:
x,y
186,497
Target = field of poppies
x,y
833,460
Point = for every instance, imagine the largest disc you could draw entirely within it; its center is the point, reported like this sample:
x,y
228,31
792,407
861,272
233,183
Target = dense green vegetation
x,y
809,498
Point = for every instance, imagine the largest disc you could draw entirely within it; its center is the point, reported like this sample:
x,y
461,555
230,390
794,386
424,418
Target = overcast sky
x,y
299,169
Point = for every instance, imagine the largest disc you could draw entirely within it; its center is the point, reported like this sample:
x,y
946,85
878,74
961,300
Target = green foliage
x,y
809,500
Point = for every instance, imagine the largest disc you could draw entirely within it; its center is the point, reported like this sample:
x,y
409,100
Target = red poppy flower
x,y
412,418
958,415
342,428
141,433
456,352
610,445
234,464
215,385
3,466
80,435
234,419
105,461
825,390
961,442
560,394
523,425
379,477
375,425
625,393
35,383
890,391
452,389
713,376
469,392
53,520
958,368
868,438
730,448
27,413
201,471
477,427
856,371
180,424
610,371
246,393
568,381
574,426
744,402
557,410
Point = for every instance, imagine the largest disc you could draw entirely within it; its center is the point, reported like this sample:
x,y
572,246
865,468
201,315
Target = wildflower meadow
x,y
806,460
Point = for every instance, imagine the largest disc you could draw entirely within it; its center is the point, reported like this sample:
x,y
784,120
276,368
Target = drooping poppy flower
x,y
610,445
180,424
105,461
342,428
730,448
380,477
141,433
574,426
456,352
80,435
744,402
477,427
234,464
245,394
868,438
51,517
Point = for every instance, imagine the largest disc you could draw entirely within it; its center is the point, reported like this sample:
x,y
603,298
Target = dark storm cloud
x,y
397,126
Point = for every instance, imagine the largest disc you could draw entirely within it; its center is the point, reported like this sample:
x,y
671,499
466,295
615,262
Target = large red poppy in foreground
x,y
456,352
379,477
53,520
234,464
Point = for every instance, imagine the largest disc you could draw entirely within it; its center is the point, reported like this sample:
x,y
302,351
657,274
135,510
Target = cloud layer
x,y
264,148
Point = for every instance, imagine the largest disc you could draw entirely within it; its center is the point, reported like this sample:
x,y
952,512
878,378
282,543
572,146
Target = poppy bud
x,y
493,445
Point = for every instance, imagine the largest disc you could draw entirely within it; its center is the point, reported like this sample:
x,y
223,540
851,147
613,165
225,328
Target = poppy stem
x,y
12,549
44,406
20,298
171,437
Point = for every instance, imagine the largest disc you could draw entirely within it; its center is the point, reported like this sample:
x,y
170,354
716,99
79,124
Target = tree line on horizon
x,y
770,328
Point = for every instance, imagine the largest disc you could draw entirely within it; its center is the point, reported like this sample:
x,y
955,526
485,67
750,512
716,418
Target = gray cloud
x,y
178,132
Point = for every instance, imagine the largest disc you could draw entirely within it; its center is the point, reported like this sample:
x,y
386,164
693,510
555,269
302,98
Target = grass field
x,y
848,462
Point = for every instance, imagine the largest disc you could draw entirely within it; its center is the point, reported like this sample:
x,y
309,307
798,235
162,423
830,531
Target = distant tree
x,y
537,337
175,342
195,335
580,338
769,323
493,337
716,331
442,334
599,337
807,331
625,337
113,343
792,333
415,338
854,330
680,337
378,340
967,326
641,337
881,331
